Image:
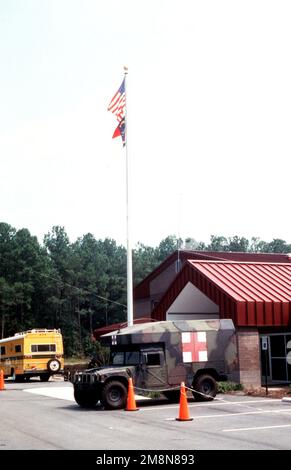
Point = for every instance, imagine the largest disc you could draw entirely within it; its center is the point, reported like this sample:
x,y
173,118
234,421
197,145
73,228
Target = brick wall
x,y
248,343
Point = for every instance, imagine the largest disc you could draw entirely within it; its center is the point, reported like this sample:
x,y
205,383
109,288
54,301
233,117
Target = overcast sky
x,y
209,106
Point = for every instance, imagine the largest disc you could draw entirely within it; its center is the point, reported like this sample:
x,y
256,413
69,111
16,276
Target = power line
x,y
84,290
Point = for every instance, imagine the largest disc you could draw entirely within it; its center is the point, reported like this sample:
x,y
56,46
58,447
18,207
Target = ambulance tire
x,y
86,398
206,385
114,395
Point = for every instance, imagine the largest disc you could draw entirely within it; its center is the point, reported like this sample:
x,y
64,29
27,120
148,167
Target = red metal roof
x,y
251,293
142,289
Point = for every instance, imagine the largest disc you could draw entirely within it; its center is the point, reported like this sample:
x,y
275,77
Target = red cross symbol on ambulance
x,y
194,346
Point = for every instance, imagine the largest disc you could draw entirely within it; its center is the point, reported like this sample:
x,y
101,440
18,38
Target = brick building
x,y
254,290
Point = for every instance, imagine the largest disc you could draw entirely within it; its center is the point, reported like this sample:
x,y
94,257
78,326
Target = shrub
x,y
225,387
152,394
100,355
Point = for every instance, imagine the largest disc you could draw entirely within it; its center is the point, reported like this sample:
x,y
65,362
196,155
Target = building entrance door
x,y
276,358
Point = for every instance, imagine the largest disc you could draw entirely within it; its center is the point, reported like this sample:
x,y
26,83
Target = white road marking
x,y
63,393
243,413
213,403
226,415
257,428
225,402
67,393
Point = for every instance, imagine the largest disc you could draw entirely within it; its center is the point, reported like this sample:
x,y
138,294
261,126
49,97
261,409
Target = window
x,y
118,358
43,348
128,358
18,348
3,351
153,359
279,370
132,358
277,346
277,358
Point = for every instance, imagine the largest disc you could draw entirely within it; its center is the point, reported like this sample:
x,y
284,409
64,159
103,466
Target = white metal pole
x,y
128,188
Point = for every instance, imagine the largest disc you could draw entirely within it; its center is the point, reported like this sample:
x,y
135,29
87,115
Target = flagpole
x,y
128,188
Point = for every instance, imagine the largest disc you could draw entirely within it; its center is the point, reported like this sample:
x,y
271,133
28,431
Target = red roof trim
x,y
141,290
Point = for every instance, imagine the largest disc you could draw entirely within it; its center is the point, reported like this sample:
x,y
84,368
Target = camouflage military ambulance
x,y
159,356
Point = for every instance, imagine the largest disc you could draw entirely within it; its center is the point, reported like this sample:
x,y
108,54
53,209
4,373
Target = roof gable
x,y
142,290
250,293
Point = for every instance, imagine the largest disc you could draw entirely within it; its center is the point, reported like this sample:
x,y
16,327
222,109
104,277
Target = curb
x,y
286,399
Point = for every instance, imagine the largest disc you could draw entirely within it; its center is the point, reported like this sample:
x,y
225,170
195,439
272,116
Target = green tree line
x,y
80,286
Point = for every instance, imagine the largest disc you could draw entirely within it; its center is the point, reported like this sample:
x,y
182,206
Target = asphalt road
x,y
39,421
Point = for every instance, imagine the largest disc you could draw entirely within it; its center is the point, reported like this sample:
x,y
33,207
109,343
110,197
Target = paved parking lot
x,y
44,416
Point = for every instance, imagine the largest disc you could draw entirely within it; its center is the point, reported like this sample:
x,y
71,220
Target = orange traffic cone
x,y
2,384
184,414
130,405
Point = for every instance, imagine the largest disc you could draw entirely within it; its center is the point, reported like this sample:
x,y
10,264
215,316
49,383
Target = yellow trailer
x,y
32,353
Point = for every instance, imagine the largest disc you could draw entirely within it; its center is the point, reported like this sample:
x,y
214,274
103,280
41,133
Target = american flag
x,y
117,104
194,346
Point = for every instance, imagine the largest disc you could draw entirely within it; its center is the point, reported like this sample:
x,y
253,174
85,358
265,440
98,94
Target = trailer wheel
x,y
114,395
18,377
206,385
86,398
44,377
